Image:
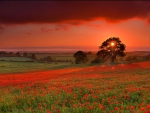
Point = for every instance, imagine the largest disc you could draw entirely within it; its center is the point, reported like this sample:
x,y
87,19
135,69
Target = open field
x,y
75,56
23,64
122,88
19,67
69,55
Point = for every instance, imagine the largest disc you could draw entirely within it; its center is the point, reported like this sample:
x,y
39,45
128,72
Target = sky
x,y
74,24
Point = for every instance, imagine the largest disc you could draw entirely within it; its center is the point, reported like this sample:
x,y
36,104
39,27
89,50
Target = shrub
x,y
97,60
131,58
147,57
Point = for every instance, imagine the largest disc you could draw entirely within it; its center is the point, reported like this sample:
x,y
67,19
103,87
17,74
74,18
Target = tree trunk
x,y
121,59
112,59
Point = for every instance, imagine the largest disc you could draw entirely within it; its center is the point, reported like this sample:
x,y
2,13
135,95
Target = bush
x,y
46,59
147,57
131,58
97,60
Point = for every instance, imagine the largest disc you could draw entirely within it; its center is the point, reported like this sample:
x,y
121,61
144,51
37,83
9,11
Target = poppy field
x,y
121,88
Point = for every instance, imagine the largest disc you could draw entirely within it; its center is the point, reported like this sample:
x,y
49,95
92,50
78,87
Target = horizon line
x,y
69,48
56,47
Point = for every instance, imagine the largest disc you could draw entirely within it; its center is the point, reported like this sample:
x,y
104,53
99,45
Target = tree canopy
x,y
80,57
112,48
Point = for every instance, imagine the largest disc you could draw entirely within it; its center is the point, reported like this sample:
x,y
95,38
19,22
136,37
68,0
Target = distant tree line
x,y
17,54
50,59
10,54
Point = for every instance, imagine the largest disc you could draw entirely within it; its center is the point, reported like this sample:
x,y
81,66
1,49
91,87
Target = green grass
x,y
15,59
22,64
18,67
21,67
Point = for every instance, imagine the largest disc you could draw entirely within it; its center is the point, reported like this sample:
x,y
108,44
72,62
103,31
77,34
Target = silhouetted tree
x,y
147,57
3,53
96,60
18,54
80,57
25,54
132,58
10,53
33,56
88,53
112,48
48,59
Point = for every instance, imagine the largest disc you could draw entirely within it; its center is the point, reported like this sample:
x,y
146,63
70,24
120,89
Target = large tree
x,y
112,48
80,57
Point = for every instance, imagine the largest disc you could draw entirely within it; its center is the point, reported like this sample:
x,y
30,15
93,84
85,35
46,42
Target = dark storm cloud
x,y
57,12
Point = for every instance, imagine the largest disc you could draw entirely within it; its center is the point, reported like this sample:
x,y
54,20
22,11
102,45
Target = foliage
x,y
18,54
47,59
25,54
97,60
33,56
132,58
80,57
112,48
147,57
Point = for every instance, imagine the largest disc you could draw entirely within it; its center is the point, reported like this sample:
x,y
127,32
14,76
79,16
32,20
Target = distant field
x,y
63,56
23,64
41,55
15,59
69,56
29,86
19,67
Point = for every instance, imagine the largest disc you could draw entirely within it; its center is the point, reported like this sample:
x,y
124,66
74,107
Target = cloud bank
x,y
21,12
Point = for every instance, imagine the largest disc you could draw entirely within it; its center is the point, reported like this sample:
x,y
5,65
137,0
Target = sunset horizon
x,y
69,48
75,56
73,24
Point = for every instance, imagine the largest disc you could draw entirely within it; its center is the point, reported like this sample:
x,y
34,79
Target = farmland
x,y
61,60
75,56
66,88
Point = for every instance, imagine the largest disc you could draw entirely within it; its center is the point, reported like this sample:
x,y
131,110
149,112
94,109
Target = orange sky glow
x,y
89,30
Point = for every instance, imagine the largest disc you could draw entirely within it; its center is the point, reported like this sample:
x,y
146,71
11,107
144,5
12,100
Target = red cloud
x,y
21,12
2,28
57,27
46,30
62,27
